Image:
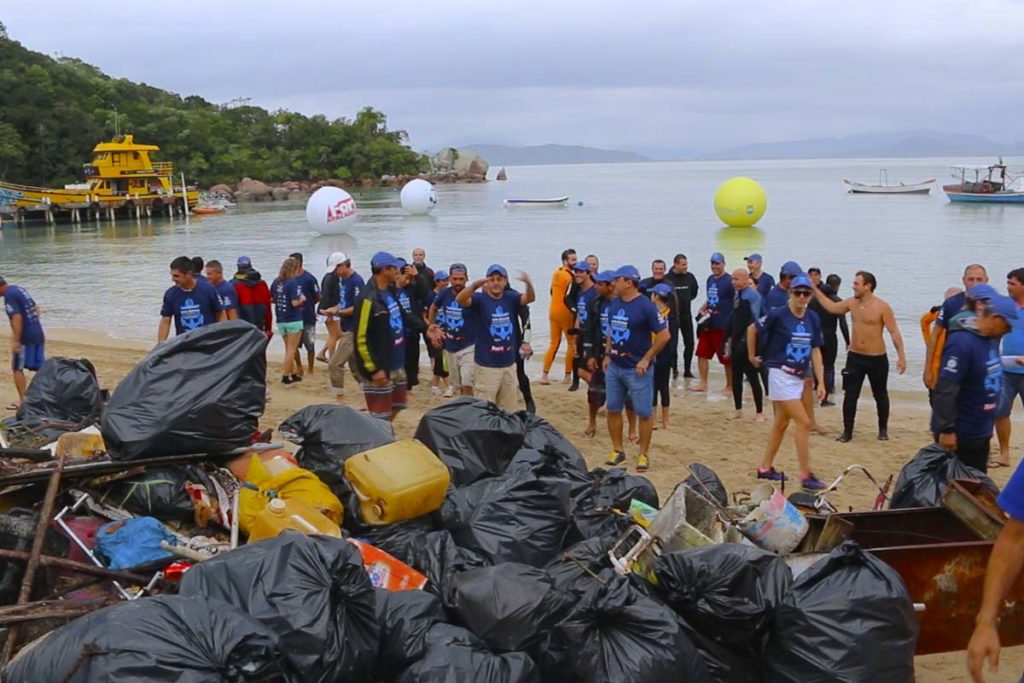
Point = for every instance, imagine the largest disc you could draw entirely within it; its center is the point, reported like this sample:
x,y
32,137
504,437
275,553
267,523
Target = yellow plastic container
x,y
279,514
290,484
399,481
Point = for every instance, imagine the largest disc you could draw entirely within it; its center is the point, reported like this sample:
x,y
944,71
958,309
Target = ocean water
x,y
111,277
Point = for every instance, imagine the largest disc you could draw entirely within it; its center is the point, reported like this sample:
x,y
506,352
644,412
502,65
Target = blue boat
x,y
988,184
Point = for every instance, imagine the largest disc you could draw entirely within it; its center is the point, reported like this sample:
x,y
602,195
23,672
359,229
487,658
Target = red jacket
x,y
254,303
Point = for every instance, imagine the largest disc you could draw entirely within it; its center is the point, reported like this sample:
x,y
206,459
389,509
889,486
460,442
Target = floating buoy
x,y
418,197
331,211
740,202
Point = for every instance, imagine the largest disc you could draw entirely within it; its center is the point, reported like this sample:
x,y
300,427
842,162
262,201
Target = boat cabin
x,y
981,178
124,167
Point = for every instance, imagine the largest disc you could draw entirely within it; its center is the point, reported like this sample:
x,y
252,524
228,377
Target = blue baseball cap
x,y
495,268
981,292
581,267
244,262
628,272
754,257
605,276
801,280
440,275
1002,306
717,257
383,259
662,290
791,269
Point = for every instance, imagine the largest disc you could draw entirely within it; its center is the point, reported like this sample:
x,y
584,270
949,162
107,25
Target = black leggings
x,y
741,367
662,380
412,359
686,334
828,357
524,385
876,369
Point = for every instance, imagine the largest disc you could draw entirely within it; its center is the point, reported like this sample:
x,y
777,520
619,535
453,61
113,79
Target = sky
x,y
655,77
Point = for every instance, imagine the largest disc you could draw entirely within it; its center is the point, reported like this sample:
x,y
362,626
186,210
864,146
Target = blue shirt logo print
x,y
799,349
501,324
712,296
994,373
403,299
191,315
453,320
619,327
606,327
395,316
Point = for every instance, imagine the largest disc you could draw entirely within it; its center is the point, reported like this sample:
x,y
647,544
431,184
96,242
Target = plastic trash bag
x,y
64,390
456,656
509,606
614,488
727,592
475,439
312,591
575,568
924,479
540,435
405,617
165,638
131,542
704,481
201,392
437,556
160,493
848,618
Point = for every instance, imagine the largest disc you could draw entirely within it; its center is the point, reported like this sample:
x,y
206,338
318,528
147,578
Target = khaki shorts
x,y
498,385
461,366
344,353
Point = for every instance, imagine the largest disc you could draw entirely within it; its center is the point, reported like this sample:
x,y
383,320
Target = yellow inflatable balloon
x,y
740,202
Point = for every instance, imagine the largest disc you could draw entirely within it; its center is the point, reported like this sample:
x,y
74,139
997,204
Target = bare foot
x,y
735,416
664,425
634,438
544,380
567,379
818,429
760,417
698,388
590,431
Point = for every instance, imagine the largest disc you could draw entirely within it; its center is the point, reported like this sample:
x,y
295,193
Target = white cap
x,y
335,260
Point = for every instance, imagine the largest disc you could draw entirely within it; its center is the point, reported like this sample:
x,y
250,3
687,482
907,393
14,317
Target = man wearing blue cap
x,y
762,280
636,334
967,389
594,335
497,345
778,296
719,306
459,325
580,295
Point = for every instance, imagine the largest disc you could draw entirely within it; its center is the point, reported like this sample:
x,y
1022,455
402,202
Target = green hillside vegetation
x,y
53,111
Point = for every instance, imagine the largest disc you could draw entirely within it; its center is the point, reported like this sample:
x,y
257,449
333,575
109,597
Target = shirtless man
x,y
866,357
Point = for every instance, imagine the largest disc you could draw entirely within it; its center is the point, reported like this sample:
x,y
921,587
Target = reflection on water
x,y
738,243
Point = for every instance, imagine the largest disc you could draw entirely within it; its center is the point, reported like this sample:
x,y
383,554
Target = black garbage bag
x,y
201,392
724,664
605,524
704,481
615,633
455,655
159,492
614,488
398,539
166,638
541,435
65,390
405,618
848,618
579,568
547,461
924,479
517,517
312,591
436,556
475,439
727,592
509,606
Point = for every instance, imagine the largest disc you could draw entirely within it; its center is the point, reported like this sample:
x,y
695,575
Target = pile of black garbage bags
x,y
520,587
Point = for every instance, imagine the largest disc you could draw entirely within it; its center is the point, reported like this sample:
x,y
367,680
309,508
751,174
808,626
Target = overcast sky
x,y
638,75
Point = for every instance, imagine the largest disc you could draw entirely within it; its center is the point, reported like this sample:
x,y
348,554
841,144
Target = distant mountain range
x,y
504,155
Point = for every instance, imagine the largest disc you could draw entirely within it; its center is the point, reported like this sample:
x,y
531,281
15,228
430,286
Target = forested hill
x,y
53,111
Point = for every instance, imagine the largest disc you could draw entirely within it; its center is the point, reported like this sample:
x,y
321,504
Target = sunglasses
x,y
801,292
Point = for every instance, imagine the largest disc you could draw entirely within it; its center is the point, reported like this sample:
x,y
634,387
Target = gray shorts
x,y
309,336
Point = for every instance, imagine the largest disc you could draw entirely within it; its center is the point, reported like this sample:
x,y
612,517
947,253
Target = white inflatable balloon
x,y
331,211
418,197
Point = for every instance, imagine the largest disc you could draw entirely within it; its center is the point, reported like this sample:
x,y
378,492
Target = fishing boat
x,y
885,187
553,201
982,183
121,178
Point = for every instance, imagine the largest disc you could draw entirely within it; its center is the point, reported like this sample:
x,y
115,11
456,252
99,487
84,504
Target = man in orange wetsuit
x,y
561,318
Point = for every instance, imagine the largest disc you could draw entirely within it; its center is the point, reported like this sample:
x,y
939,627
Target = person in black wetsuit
x,y
686,287
664,298
746,309
829,323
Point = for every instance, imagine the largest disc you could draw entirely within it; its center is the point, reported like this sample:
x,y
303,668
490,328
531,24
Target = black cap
x,y
2,281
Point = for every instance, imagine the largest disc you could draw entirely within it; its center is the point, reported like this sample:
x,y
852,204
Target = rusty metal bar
x,y
78,567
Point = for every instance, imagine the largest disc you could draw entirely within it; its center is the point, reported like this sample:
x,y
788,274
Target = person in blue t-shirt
x,y
350,284
636,335
459,326
791,341
190,303
497,346
27,339
719,306
778,296
286,291
763,281
311,296
1012,354
970,376
225,290
974,274
582,293
439,381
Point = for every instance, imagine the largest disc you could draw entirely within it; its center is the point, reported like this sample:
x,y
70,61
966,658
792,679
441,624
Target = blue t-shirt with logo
x,y
583,301
788,341
19,302
720,292
973,363
631,325
227,295
193,309
776,298
396,360
496,332
311,288
458,323
348,290
765,283
1013,343
284,293
950,307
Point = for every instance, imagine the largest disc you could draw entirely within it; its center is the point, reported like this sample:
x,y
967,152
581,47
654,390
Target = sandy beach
x,y
699,432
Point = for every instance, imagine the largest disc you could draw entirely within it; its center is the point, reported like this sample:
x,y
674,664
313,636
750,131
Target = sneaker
x,y
688,375
827,403
812,483
287,379
883,435
771,474
296,378
435,391
575,386
642,463
618,457
845,437
449,392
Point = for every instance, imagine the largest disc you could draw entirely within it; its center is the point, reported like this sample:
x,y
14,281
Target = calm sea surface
x,y
111,278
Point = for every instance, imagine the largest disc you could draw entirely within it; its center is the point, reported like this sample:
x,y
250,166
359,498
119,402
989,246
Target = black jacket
x,y
373,329
686,289
593,338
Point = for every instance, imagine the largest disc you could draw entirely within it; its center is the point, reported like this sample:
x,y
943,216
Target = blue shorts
x,y
1012,387
621,382
30,357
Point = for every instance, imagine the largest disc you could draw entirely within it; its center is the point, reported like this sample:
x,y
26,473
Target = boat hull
x,y
986,198
916,188
554,201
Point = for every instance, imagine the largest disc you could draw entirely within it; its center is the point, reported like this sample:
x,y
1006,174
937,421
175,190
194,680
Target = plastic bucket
x,y
775,525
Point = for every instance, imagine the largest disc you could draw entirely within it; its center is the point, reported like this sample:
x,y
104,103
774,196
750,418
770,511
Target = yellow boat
x,y
121,178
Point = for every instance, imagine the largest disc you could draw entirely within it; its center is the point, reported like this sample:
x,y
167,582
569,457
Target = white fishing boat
x,y
986,183
886,187
552,201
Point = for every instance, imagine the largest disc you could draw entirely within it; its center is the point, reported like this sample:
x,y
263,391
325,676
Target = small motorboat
x,y
885,187
553,201
209,210
986,183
